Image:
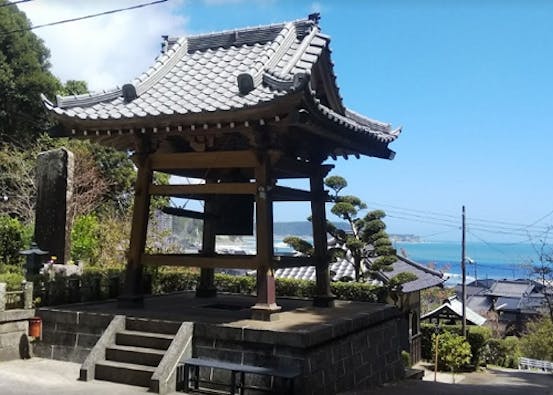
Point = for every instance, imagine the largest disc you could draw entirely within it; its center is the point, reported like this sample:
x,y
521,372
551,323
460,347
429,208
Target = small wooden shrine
x,y
241,110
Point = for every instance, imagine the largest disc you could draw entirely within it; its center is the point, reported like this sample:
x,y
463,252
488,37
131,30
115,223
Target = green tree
x,y
368,242
12,240
73,87
453,351
85,239
24,75
537,341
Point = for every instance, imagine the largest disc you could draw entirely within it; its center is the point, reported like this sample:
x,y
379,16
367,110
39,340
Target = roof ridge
x,y
251,28
250,79
245,35
303,46
163,63
419,266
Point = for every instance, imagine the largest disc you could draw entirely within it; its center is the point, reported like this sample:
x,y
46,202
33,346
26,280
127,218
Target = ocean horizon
x,y
497,260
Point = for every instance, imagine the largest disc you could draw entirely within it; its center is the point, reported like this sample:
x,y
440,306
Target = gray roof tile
x,y
199,73
426,277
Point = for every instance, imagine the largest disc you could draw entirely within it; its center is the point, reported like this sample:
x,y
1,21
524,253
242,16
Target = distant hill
x,y
299,228
302,228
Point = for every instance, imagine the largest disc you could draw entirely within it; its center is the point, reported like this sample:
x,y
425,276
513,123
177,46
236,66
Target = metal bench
x,y
237,371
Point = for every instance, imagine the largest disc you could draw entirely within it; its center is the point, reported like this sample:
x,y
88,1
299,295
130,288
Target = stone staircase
x,y
136,351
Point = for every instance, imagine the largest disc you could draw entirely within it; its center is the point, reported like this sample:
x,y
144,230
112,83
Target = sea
x,y
484,260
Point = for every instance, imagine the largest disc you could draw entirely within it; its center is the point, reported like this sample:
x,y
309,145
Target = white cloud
x,y
109,50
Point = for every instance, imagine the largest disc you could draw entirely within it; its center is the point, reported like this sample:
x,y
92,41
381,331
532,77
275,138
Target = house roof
x,y
454,307
426,278
511,288
218,78
479,303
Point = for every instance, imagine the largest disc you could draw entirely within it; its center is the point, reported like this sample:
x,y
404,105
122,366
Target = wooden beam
x,y
287,194
294,167
293,261
197,260
228,188
203,160
181,212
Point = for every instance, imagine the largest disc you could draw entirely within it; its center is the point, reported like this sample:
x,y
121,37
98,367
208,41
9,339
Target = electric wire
x,y
80,18
7,4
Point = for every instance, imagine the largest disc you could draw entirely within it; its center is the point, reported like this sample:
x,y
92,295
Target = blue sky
x,y
469,81
471,86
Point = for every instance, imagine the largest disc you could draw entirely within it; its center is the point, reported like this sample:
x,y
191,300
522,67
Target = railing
x,y
528,363
22,299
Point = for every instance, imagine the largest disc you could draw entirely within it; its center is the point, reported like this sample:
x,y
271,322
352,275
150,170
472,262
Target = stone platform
x,y
337,349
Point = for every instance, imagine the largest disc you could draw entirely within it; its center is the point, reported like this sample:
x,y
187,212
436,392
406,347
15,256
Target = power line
x,y
85,17
13,3
476,222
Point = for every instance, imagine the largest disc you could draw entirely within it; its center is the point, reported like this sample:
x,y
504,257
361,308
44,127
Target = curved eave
x,y
70,125
353,135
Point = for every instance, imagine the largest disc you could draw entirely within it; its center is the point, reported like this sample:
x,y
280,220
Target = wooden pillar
x,y
133,292
266,305
206,287
323,297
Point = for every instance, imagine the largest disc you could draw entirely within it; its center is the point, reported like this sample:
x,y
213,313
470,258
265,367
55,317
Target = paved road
x,y
39,376
495,381
49,377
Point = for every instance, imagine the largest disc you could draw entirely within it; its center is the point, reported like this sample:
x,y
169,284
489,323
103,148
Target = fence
x,y
21,299
528,364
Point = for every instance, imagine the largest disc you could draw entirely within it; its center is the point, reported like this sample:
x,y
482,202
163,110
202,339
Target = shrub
x,y
12,240
235,284
502,352
406,358
453,351
357,291
512,351
537,342
13,280
477,336
85,239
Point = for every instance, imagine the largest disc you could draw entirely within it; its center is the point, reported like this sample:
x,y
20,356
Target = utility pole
x,y
464,274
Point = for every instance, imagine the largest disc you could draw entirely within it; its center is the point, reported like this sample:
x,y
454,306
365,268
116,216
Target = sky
x,y
470,82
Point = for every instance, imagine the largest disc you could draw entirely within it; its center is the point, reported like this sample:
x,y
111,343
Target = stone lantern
x,y
35,258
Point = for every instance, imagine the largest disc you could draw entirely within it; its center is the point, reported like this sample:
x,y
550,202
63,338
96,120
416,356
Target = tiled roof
x,y
479,303
452,305
223,73
511,288
426,278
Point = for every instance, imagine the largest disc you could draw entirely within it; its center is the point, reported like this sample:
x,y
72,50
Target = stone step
x,y
125,373
135,355
152,326
158,341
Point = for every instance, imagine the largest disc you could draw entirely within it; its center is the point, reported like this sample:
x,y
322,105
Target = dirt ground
x,y
492,381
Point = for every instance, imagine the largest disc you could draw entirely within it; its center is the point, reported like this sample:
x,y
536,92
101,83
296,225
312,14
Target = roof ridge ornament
x,y
129,92
249,80
315,17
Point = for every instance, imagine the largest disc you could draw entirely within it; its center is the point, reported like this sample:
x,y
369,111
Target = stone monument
x,y
54,194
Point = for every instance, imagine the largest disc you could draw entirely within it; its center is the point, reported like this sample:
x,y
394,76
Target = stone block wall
x,y
69,335
14,326
348,353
